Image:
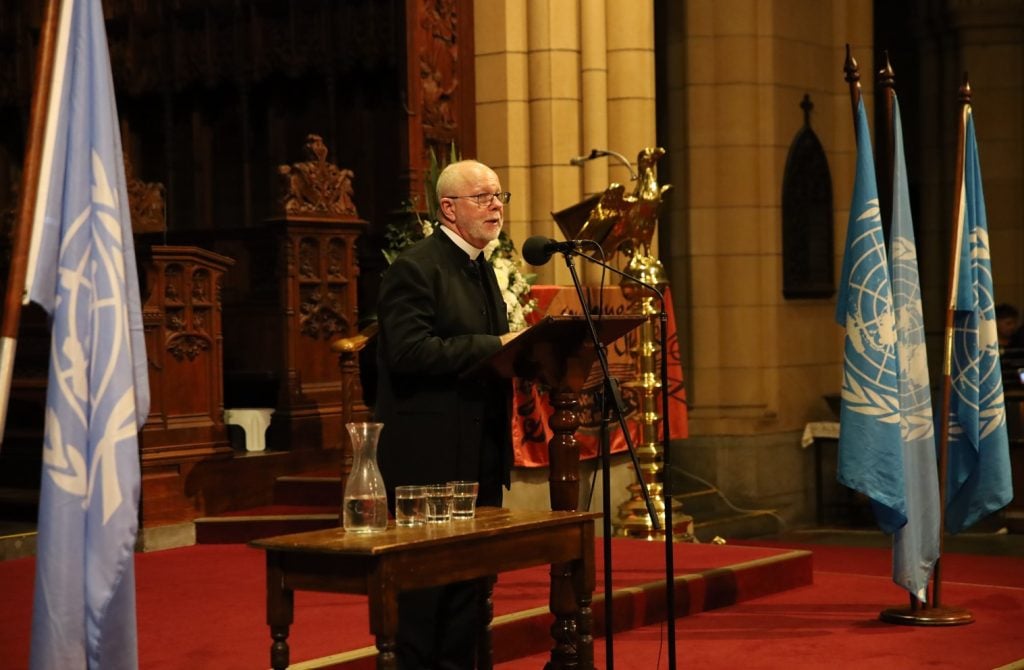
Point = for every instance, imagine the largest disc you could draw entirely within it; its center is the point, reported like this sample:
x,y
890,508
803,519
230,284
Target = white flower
x,y
491,247
503,270
515,288
511,302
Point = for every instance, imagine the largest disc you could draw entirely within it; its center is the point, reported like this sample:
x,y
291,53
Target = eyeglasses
x,y
484,199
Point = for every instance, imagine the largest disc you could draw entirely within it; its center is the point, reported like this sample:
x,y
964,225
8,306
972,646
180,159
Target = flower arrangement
x,y
500,253
514,285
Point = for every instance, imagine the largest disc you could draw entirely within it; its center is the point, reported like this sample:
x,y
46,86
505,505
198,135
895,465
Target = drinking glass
x,y
464,499
439,502
410,502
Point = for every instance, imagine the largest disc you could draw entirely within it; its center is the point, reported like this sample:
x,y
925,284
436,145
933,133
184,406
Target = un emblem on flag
x,y
870,383
90,419
977,374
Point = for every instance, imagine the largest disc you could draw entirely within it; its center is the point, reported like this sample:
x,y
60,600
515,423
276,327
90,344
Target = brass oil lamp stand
x,y
626,222
633,518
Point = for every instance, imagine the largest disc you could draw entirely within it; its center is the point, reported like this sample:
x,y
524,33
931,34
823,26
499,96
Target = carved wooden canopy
x,y
316,187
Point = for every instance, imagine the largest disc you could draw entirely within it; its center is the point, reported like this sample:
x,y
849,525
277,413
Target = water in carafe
x,y
365,507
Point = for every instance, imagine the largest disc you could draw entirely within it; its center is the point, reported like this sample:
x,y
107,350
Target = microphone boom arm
x,y
598,153
614,270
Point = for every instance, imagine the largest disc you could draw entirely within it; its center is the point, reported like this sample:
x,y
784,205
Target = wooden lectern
x,y
559,352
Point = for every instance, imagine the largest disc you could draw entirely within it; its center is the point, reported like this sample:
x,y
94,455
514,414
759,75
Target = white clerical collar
x,y
470,250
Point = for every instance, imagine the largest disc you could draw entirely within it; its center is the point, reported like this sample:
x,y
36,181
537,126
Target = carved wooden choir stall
x,y
244,293
292,292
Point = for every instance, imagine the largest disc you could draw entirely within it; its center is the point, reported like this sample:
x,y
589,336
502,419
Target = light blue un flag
x,y
979,480
82,271
870,450
916,545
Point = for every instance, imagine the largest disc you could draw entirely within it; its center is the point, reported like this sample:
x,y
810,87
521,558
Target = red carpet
x,y
967,568
203,606
834,623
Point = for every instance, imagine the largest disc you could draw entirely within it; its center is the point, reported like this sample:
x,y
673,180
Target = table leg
x,y
280,611
584,589
383,602
484,644
387,657
819,502
563,629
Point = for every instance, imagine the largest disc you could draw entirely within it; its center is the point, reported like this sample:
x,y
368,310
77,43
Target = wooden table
x,y
381,565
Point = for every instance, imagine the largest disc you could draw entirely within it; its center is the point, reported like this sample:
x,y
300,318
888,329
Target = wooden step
x,y
324,491
237,529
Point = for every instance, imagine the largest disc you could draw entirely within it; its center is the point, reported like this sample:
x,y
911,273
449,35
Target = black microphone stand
x,y
612,392
670,591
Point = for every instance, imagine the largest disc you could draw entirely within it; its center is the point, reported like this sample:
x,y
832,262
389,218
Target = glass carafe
x,y
365,507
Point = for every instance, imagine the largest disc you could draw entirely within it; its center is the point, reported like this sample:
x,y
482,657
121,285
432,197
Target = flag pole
x,y
885,142
934,613
885,158
955,616
853,79
914,615
22,234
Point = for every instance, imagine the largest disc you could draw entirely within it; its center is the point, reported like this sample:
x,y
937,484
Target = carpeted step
x,y
323,490
228,630
832,624
527,632
204,606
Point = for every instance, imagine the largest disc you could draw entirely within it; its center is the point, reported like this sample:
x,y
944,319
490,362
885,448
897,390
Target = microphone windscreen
x,y
537,250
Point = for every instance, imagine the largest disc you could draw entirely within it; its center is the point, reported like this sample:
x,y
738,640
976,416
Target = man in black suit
x,y
440,313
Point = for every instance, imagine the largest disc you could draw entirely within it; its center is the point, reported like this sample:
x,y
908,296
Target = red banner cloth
x,y
530,431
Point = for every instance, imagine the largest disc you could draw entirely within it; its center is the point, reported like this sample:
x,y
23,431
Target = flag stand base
x,y
941,615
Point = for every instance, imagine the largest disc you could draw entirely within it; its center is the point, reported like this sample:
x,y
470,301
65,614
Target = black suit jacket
x,y
439,316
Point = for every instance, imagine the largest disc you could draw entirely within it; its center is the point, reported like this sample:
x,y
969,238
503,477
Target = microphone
x,y
538,249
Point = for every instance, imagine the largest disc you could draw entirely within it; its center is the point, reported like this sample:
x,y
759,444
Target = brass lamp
x,y
640,220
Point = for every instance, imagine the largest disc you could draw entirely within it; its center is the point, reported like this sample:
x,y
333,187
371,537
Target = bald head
x,y
455,177
476,222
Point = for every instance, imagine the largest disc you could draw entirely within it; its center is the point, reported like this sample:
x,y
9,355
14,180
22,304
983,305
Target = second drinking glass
x,y
439,502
